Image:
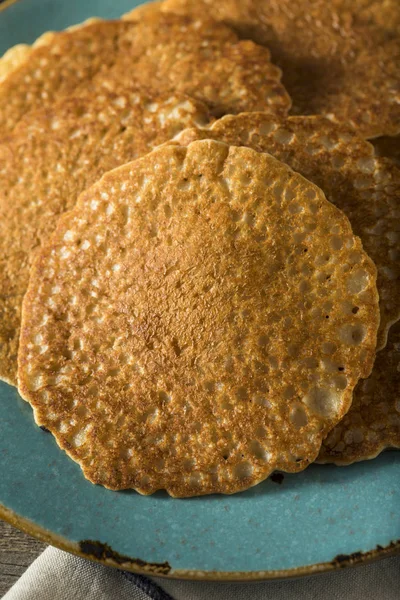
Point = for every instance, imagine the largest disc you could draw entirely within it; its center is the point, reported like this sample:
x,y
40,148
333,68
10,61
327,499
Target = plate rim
x,y
142,567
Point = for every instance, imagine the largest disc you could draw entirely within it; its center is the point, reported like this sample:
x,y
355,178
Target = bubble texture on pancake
x,y
58,64
206,60
17,55
13,58
171,335
344,166
161,52
367,189
373,421
51,157
339,58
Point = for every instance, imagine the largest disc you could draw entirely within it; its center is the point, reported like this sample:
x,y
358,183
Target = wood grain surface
x,y
17,552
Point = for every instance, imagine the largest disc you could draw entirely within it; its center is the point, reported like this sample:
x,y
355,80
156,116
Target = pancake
x,y
373,422
171,336
339,58
51,157
336,159
161,52
17,55
58,64
194,57
13,58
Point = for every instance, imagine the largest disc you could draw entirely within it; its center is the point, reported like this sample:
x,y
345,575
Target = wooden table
x,y
17,552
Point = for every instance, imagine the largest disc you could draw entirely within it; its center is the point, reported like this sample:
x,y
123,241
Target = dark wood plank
x,y
17,552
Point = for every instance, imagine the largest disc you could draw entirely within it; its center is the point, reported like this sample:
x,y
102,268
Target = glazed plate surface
x,y
326,517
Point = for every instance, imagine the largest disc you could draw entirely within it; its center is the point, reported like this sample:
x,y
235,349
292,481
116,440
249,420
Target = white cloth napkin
x,y
57,575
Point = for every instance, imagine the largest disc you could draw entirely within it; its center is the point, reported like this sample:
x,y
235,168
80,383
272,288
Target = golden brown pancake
x,y
339,58
206,60
162,52
13,58
17,55
367,189
339,161
51,157
373,422
57,68
171,334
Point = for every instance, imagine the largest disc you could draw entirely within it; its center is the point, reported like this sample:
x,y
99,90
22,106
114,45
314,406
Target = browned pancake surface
x,y
373,422
335,158
57,68
367,189
338,58
172,333
205,59
51,157
161,52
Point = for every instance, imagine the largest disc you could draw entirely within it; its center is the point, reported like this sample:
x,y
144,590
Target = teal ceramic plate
x,y
324,518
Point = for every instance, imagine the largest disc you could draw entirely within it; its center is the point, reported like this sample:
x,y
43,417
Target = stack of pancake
x,y
200,248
